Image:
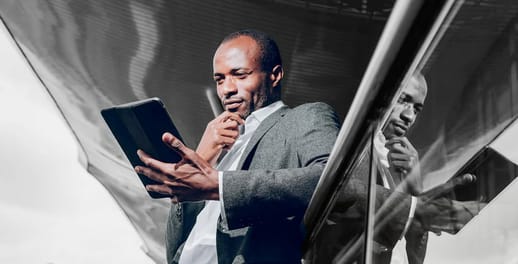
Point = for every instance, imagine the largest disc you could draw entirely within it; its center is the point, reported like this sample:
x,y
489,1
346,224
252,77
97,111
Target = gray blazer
x,y
266,199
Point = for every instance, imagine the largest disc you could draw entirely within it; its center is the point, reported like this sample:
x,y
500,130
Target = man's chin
x,y
399,132
242,113
393,132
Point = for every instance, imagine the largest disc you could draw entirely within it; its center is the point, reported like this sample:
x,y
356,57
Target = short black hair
x,y
270,54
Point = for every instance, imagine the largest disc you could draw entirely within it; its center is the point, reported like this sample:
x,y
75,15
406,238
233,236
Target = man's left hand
x,y
191,179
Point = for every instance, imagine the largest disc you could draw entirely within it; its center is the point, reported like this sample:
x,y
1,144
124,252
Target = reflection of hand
x,y
191,179
443,214
220,133
402,155
404,164
447,187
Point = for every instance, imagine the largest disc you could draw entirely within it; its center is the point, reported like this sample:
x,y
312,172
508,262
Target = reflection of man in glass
x,y
399,170
399,162
394,150
402,209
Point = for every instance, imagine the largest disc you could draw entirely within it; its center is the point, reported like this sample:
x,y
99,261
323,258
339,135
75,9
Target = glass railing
x,y
434,180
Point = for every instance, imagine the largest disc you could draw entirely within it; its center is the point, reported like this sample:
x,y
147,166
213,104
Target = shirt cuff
x,y
223,215
411,214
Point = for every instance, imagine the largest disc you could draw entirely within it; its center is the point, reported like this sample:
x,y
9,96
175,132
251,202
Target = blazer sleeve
x,y
392,207
258,196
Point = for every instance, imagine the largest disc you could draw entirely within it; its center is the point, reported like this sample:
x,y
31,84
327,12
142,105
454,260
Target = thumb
x,y
188,155
174,143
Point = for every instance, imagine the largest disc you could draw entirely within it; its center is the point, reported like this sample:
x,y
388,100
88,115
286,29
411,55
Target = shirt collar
x,y
261,114
380,149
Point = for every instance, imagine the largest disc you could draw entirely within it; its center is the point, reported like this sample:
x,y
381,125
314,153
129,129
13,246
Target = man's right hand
x,y
444,215
221,133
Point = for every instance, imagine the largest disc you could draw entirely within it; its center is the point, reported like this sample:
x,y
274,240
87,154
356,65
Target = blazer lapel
x,y
260,132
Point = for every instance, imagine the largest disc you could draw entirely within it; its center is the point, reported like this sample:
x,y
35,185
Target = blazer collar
x,y
265,125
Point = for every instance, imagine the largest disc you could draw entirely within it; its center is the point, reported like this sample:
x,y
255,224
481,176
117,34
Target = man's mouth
x,y
400,128
232,104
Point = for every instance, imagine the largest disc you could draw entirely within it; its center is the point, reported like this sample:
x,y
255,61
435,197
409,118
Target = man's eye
x,y
218,80
241,75
403,99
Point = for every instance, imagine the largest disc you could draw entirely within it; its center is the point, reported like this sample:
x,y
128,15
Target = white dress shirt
x,y
399,255
200,246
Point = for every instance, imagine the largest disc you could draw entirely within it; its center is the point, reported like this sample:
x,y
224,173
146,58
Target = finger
x,y
160,188
234,117
151,162
180,163
225,142
394,140
229,125
401,168
154,175
400,157
401,140
399,143
401,165
176,184
174,143
185,152
228,133
397,147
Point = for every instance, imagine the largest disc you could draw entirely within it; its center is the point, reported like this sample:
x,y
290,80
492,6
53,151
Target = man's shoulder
x,y
310,114
316,107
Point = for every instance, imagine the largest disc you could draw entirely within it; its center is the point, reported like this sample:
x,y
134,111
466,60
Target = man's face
x,y
408,106
242,85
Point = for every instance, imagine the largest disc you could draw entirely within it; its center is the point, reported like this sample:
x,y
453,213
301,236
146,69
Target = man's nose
x,y
229,87
408,115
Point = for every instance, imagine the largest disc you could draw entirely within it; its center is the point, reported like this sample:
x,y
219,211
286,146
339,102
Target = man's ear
x,y
276,75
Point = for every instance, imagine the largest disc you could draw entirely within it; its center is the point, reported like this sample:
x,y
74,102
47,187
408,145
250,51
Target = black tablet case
x,y
140,125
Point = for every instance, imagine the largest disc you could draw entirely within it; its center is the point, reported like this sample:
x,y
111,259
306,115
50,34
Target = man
x,y
249,209
398,164
402,211
394,150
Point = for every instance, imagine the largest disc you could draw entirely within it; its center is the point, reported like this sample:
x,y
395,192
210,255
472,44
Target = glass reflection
x,y
445,190
471,100
341,237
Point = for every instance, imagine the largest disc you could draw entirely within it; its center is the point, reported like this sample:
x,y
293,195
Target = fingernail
x,y
175,143
137,169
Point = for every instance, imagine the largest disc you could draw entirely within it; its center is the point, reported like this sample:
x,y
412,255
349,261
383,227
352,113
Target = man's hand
x,y
191,179
221,133
404,165
443,214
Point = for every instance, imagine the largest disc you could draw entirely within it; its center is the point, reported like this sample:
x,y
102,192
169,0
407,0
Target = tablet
x,y
140,125
493,172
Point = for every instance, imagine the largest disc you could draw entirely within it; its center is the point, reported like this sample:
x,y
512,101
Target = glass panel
x,y
340,239
448,160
